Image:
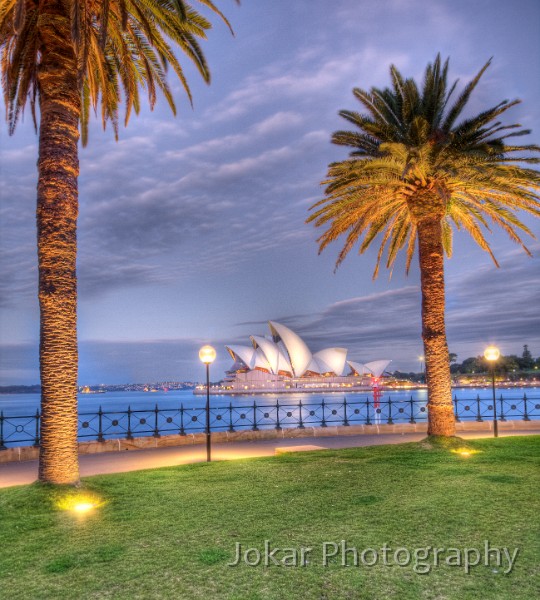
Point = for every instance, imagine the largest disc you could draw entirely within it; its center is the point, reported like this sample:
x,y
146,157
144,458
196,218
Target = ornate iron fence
x,y
111,424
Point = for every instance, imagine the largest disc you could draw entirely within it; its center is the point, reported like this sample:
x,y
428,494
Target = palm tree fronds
x,y
408,156
460,103
121,46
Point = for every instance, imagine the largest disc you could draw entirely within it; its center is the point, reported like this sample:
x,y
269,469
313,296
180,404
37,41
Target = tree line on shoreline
x,y
511,365
506,363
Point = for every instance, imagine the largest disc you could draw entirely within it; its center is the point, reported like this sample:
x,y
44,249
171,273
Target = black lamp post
x,y
207,354
491,354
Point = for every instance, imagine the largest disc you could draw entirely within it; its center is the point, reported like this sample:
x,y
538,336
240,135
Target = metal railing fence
x,y
111,424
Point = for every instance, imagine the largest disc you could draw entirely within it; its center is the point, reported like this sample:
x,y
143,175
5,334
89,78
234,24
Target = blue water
x,y
26,404
103,416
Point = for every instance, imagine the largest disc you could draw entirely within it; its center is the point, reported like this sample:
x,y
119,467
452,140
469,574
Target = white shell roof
x,y
331,360
259,360
357,367
375,368
286,351
299,353
244,353
276,359
316,367
269,349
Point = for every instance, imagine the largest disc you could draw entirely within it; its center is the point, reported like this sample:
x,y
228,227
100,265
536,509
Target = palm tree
x,y
414,174
68,57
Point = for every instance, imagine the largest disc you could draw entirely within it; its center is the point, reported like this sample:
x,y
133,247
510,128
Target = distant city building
x,y
282,361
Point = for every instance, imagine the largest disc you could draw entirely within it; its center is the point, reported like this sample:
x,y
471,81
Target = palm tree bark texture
x,y
57,210
438,379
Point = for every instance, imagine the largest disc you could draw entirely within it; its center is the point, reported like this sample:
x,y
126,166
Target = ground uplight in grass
x,y
465,452
79,502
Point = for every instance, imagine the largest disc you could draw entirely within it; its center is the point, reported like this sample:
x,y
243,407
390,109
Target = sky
x,y
192,228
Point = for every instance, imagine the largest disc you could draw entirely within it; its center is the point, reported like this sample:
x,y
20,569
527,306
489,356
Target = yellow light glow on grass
x,y
80,503
465,452
83,507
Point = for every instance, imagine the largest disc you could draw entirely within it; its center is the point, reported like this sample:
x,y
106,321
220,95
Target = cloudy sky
x,y
192,229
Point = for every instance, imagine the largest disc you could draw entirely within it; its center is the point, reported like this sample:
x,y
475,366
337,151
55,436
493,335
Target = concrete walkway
x,y
19,473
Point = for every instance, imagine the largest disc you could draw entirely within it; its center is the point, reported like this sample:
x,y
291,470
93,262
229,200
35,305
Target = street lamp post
x,y
491,354
207,354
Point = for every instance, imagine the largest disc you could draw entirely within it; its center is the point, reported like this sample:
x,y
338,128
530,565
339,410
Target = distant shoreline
x,y
36,389
200,391
98,389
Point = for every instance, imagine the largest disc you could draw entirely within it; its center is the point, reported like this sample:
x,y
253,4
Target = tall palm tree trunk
x,y
57,209
440,408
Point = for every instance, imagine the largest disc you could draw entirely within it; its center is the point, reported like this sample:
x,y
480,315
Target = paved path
x,y
18,473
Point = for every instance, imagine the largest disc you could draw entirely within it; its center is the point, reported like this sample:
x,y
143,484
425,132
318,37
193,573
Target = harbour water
x,y
14,405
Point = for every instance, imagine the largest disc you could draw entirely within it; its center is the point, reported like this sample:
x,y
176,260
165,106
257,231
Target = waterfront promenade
x,y
20,473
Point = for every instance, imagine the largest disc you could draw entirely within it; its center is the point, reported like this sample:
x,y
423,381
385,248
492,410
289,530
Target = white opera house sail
x,y
283,362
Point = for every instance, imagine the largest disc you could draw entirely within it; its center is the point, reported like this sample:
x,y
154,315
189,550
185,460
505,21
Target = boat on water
x,y
86,390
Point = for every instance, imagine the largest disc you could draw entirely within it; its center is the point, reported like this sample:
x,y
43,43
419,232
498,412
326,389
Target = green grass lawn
x,y
170,532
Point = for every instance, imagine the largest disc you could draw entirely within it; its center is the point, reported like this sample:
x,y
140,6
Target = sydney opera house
x,y
283,362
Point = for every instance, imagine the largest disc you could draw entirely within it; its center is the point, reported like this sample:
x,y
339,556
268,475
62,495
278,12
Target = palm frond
x,y
409,161
121,47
